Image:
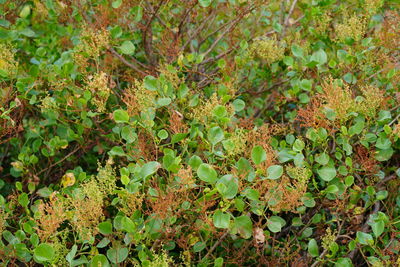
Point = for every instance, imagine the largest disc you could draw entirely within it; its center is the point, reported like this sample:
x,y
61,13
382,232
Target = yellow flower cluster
x,y
138,98
328,239
372,6
8,64
339,99
268,50
48,103
87,209
40,11
3,217
322,23
204,111
300,174
373,101
90,47
238,140
171,75
98,86
353,27
160,260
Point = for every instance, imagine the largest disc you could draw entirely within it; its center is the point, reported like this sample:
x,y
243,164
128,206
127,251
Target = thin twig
x,y
61,160
216,245
134,67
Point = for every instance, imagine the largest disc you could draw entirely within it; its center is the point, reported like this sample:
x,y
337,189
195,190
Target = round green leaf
x,y
258,155
116,3
120,116
149,169
313,248
215,135
221,220
105,228
99,260
199,246
128,134
44,253
207,173
162,134
327,173
274,172
127,48
238,105
128,225
275,224
205,3
150,83
117,255
228,186
244,226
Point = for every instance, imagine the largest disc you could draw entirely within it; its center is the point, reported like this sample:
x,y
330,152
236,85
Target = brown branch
x,y
148,35
201,27
216,245
58,162
132,66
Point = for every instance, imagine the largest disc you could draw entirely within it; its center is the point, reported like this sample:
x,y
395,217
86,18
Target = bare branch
x,y
132,66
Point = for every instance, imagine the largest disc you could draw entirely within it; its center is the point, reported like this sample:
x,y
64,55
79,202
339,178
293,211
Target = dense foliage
x,y
199,133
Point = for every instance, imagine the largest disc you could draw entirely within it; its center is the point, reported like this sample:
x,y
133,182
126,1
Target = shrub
x,y
199,133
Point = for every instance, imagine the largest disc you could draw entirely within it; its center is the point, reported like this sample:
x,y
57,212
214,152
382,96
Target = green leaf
x,y
121,116
128,134
199,246
149,169
116,3
332,189
207,173
44,253
298,145
322,158
364,238
162,134
99,260
313,248
205,3
219,111
219,262
221,220
244,226
238,105
320,57
23,199
258,155
117,151
297,51
150,83
164,101
128,225
71,255
228,186
117,255
105,228
378,227
215,135
275,224
327,173
384,155
127,48
274,172
344,262
25,11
